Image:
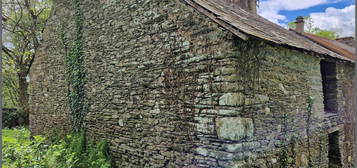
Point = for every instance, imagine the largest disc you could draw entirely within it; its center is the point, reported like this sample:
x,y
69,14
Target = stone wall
x,y
347,95
167,87
255,115
48,88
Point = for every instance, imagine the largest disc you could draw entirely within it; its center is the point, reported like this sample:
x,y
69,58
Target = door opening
x,y
334,155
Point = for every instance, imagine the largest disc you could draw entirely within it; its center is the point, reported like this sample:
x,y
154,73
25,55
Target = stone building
x,y
347,40
192,83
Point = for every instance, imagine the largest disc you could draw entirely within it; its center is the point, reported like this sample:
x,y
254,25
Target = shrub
x,y
69,152
12,118
19,151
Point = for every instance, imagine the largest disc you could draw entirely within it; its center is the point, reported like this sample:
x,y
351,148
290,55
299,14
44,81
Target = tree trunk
x,y
23,96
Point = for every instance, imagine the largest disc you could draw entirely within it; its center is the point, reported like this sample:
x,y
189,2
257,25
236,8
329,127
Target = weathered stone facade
x,y
167,87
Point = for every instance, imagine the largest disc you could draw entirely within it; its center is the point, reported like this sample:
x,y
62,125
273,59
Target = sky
x,y
333,15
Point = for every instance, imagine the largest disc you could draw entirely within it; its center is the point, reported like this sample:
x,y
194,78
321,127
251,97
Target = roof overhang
x,y
245,24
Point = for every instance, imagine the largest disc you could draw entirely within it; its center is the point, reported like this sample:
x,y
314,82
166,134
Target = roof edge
x,y
245,35
322,45
212,16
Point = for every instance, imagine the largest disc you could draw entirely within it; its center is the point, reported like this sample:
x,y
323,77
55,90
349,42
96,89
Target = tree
x,y
310,28
10,86
325,33
23,25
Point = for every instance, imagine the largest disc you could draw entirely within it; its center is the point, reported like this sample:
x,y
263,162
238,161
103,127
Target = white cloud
x,y
340,20
270,8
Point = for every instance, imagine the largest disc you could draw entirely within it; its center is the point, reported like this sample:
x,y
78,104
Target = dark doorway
x,y
334,155
329,86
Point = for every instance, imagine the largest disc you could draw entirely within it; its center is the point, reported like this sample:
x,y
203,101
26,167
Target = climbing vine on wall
x,y
75,69
322,147
310,102
287,155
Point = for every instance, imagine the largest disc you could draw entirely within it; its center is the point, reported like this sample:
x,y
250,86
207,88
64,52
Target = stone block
x,y
216,154
232,99
203,124
234,128
234,147
282,88
258,99
222,111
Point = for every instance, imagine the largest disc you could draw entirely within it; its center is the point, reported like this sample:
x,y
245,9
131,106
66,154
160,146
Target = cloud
x,y
339,20
270,8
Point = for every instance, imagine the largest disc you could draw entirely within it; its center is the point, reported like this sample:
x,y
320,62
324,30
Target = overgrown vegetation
x,y
23,25
73,151
75,69
10,85
310,106
12,117
287,156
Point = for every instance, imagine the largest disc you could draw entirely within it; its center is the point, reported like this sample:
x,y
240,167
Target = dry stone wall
x,y
167,87
48,88
346,101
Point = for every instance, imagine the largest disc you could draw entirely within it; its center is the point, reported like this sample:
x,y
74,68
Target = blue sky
x,y
335,15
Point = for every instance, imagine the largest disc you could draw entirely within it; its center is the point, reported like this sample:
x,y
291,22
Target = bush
x,y
69,152
72,151
19,151
12,118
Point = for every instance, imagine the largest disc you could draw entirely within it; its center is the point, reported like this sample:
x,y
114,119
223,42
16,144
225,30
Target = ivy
x,y
310,102
75,69
322,147
286,157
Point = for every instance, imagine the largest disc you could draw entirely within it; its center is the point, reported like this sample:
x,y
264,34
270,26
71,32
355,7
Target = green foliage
x,y
97,155
70,152
75,69
12,118
288,151
12,115
288,154
310,106
19,151
23,25
286,157
327,34
310,28
10,85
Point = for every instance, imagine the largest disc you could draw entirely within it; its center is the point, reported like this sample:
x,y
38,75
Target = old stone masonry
x,y
192,83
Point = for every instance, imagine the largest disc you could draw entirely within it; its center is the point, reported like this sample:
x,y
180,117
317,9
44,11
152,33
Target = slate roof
x,y
245,24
